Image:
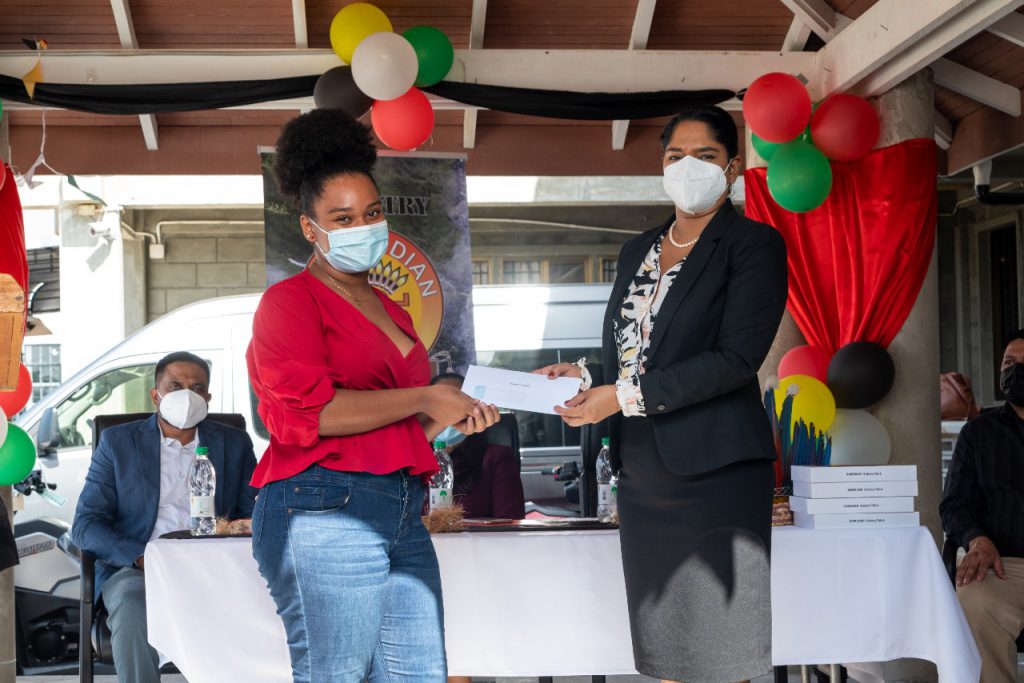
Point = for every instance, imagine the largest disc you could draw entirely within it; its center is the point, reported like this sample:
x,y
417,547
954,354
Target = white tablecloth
x,y
529,604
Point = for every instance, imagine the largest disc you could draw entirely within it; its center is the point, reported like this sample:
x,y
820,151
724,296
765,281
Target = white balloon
x,y
858,438
3,427
384,66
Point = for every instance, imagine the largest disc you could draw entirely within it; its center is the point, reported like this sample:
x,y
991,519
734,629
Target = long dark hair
x,y
718,121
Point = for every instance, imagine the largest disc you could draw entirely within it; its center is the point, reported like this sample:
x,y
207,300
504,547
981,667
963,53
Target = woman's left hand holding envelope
x,y
590,406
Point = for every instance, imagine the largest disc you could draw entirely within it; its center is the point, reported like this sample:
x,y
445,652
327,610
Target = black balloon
x,y
860,374
336,90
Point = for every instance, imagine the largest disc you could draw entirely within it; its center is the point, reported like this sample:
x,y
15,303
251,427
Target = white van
x,y
516,327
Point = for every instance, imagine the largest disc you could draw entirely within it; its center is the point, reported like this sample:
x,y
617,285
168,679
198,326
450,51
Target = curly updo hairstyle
x,y
317,146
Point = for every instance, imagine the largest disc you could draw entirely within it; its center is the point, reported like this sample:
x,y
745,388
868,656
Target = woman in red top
x,y
342,382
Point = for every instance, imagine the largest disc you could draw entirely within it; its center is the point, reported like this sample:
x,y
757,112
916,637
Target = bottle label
x,y
607,494
440,498
201,506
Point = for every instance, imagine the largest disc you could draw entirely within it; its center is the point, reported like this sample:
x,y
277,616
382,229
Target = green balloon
x,y
799,176
764,148
17,456
434,52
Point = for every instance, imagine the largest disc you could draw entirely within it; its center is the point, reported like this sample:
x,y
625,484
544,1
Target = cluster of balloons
x,y
384,73
17,451
833,393
798,139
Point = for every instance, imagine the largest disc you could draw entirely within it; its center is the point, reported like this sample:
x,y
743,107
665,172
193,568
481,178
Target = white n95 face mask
x,y
183,408
693,184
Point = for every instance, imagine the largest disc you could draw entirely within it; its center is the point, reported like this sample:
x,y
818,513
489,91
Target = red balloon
x,y
777,107
805,360
13,401
845,127
403,123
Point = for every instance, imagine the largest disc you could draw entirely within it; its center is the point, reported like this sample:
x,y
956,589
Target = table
x,y
553,603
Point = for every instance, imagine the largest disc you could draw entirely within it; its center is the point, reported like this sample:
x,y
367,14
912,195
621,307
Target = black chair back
x,y
93,616
505,432
101,422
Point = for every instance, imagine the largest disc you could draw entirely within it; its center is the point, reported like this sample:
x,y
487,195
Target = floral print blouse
x,y
632,328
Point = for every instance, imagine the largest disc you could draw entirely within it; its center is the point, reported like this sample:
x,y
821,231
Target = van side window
x,y
124,390
257,421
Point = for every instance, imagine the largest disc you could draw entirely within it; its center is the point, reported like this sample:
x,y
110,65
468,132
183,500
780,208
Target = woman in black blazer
x,y
692,315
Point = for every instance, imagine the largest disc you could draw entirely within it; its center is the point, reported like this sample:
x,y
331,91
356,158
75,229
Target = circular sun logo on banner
x,y
409,278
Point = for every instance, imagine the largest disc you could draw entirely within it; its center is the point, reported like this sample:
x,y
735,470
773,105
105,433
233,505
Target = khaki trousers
x,y
995,611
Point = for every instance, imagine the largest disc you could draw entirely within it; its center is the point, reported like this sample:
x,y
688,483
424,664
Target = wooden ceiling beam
x,y
977,86
299,21
817,15
797,36
126,34
981,136
477,24
896,38
621,71
637,41
1010,27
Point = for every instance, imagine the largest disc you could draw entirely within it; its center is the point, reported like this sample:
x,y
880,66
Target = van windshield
x,y
122,390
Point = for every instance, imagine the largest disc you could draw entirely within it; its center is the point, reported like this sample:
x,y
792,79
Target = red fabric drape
x,y
12,233
857,262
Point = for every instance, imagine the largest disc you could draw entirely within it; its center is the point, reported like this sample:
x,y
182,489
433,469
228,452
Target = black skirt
x,y
695,553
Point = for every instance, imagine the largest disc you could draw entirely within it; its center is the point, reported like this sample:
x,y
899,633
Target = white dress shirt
x,y
175,464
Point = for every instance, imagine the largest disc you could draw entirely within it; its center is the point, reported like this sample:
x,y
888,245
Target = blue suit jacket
x,y
117,509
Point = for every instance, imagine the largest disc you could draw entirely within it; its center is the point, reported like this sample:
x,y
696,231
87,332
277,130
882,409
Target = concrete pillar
x,y
8,667
910,412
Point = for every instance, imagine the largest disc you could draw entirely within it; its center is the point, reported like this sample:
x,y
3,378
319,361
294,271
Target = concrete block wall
x,y
203,263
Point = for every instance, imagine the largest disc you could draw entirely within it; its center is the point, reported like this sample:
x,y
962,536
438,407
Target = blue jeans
x,y
354,575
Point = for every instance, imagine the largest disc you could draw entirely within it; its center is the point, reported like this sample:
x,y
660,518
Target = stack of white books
x,y
854,497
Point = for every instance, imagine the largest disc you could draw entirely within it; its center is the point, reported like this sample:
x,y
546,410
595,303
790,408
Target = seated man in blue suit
x,y
137,489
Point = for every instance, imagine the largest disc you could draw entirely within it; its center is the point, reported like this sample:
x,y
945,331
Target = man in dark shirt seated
x,y
983,511
487,483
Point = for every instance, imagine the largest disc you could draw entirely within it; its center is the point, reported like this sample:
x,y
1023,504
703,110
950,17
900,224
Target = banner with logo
x,y
427,267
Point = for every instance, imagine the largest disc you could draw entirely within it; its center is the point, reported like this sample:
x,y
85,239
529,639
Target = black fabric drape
x,y
161,98
580,106
157,98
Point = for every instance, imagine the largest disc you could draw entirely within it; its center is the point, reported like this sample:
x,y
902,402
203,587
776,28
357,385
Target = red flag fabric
x,y
13,260
857,262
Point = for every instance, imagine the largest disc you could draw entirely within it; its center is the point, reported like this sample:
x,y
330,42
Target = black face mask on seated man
x,y
1011,381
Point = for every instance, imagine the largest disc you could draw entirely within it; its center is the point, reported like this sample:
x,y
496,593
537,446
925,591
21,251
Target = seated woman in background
x,y
487,482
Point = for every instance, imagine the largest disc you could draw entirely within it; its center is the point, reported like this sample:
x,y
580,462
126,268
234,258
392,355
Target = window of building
x,y
481,272
566,272
609,269
44,279
43,363
521,272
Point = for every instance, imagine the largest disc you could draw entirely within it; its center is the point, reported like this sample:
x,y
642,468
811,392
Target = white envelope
x,y
519,390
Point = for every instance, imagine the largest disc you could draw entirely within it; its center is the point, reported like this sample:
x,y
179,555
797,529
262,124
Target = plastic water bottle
x,y
441,482
607,485
202,484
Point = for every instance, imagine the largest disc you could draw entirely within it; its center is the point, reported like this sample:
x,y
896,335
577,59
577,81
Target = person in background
x,y
693,312
342,381
137,490
982,510
487,482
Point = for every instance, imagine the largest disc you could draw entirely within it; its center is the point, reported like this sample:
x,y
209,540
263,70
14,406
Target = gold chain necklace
x,y
677,245
340,287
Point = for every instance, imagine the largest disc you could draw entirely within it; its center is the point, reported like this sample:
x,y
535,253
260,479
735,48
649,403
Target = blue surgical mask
x,y
355,250
451,437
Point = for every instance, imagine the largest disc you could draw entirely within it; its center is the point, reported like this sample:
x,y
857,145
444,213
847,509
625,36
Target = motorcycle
x,y
46,588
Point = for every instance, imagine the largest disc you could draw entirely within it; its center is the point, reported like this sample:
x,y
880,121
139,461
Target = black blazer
x,y
713,331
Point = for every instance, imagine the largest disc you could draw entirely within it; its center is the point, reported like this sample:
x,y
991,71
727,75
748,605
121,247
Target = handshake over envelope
x,y
519,390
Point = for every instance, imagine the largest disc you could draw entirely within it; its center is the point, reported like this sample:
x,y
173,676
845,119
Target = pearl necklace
x,y
677,245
